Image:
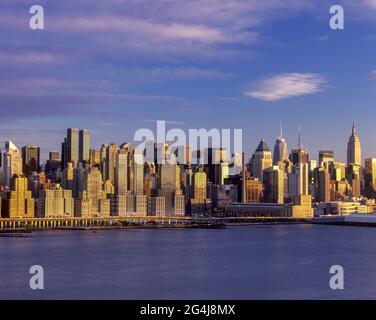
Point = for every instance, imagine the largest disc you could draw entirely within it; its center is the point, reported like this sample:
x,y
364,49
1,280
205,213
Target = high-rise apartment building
x,y
19,202
111,152
55,203
121,172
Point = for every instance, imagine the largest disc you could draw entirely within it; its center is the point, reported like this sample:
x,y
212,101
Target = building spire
x,y
280,130
299,137
353,128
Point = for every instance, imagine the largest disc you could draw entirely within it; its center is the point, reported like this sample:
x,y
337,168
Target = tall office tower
x,y
54,203
223,172
323,185
53,164
354,149
300,154
370,177
156,206
138,173
353,174
121,172
94,157
326,157
102,166
298,180
274,183
30,159
19,202
111,152
214,160
337,170
84,145
150,184
261,160
12,162
280,149
254,190
169,181
199,201
72,147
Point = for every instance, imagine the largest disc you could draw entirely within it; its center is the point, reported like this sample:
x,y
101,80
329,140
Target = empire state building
x,y
354,149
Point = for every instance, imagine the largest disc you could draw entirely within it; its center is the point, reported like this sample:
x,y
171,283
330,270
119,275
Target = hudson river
x,y
245,262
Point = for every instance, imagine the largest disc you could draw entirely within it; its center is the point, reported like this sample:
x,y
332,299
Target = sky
x,y
116,66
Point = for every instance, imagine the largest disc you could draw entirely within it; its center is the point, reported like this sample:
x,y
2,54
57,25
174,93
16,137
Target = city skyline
x,y
246,150
237,65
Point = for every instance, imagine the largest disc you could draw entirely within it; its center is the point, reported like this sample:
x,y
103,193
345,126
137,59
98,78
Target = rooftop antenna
x,y
280,128
299,136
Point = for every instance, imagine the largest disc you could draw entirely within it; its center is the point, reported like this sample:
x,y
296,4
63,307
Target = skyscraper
x,y
280,149
323,185
300,154
138,173
261,160
12,162
75,147
326,156
354,149
111,152
274,182
84,145
72,146
30,159
199,201
168,183
370,177
298,180
121,173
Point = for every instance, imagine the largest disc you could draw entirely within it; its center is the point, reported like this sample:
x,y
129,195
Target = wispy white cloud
x,y
172,122
370,3
286,85
173,73
322,38
30,58
372,75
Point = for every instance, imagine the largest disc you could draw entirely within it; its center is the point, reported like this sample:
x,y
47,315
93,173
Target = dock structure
x,y
366,220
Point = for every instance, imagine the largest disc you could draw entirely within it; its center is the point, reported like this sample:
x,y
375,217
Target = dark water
x,y
278,262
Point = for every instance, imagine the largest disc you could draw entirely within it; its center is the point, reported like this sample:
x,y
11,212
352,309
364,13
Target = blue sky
x,y
118,65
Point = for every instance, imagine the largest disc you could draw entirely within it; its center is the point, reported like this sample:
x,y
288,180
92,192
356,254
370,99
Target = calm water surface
x,y
247,262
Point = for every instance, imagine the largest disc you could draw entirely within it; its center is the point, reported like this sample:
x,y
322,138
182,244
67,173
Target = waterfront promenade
x,y
7,224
